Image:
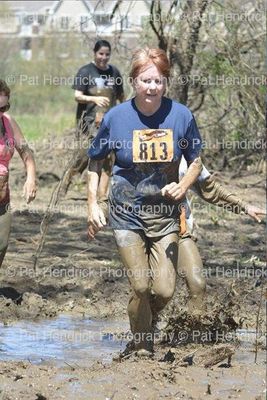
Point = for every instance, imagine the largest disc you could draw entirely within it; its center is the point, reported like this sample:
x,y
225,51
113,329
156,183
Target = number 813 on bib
x,y
152,145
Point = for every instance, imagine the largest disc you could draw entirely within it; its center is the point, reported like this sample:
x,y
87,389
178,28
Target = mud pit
x,y
85,280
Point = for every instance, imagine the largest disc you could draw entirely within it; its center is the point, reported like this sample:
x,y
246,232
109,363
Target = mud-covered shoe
x,y
143,353
126,353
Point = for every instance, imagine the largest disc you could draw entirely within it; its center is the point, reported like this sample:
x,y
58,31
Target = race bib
x,y
152,145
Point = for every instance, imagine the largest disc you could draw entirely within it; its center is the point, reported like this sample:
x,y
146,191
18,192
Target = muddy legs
x,y
190,266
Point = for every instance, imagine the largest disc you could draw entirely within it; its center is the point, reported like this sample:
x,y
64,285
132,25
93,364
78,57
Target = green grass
x,y
43,110
35,127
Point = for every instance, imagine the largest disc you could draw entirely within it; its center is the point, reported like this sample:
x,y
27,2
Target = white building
x,y
30,20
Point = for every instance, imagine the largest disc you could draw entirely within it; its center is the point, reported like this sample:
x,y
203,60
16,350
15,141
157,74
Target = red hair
x,y
143,57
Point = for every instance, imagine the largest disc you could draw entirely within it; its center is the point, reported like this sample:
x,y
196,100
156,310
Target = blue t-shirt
x,y
135,198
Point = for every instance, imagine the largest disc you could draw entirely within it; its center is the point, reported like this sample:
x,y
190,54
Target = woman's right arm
x,y
96,218
100,101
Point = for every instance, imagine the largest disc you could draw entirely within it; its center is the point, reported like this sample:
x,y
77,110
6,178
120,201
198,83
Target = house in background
x,y
22,22
31,21
98,17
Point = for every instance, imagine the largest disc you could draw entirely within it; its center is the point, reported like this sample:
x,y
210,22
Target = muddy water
x,y
53,346
64,339
78,340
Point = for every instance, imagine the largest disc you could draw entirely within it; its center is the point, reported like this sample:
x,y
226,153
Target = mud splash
x,y
214,325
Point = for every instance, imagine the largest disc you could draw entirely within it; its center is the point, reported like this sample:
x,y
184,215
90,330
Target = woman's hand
x,y
29,190
101,101
254,212
96,220
174,191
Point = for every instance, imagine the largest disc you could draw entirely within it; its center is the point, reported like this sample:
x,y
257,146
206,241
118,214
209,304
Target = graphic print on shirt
x,y
153,145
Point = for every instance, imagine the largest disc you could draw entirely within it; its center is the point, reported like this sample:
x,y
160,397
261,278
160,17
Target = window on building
x,y
42,19
84,22
64,22
28,19
102,19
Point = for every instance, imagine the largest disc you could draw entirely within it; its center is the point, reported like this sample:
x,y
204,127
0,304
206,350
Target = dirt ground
x,y
86,279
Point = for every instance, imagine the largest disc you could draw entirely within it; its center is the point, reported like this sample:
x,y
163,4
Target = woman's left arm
x,y
30,187
214,193
191,148
176,191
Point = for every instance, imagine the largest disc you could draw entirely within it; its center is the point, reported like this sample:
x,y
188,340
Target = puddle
x,y
246,351
79,341
244,380
65,338
82,341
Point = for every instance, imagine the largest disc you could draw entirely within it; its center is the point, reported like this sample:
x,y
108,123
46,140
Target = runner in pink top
x,y
11,138
7,146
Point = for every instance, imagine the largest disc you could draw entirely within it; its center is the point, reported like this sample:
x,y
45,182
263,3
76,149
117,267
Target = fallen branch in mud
x,y
257,324
45,221
204,357
187,357
61,189
217,355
